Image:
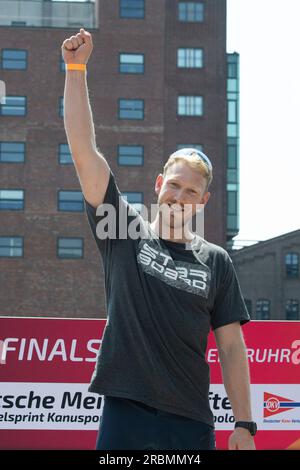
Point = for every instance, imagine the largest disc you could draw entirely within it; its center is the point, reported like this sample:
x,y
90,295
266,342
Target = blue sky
x,y
266,34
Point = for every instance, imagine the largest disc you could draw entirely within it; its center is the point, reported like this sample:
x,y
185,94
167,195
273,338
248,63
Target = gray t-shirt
x,y
162,300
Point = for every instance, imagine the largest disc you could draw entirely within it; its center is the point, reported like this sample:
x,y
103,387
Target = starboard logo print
x,y
157,262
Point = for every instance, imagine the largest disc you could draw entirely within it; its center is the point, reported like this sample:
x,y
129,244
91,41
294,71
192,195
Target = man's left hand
x,y
241,439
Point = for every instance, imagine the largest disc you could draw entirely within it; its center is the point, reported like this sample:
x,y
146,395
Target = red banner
x,y
46,365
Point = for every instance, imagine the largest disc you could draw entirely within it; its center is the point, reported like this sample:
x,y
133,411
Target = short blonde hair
x,y
194,162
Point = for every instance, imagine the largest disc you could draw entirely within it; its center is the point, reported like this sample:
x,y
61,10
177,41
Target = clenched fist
x,y
77,49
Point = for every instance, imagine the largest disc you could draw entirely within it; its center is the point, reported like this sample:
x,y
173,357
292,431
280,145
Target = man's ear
x,y
158,183
205,198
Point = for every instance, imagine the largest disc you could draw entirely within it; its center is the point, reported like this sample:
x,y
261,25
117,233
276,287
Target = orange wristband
x,y
81,67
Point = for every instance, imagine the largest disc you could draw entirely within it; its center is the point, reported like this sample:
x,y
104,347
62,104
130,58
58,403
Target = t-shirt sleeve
x,y
105,220
229,305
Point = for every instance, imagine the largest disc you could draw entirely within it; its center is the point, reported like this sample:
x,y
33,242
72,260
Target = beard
x,y
174,220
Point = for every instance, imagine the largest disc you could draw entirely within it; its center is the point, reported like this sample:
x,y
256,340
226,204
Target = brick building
x,y
157,80
269,276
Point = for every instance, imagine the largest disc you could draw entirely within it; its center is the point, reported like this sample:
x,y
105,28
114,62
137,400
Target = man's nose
x,y
179,197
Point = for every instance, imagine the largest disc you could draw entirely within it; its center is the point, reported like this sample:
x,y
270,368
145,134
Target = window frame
x,y
23,200
187,105
133,204
130,165
21,237
136,54
181,4
232,202
13,142
59,155
296,301
129,118
291,253
190,49
69,257
132,17
18,50
261,311
14,115
71,191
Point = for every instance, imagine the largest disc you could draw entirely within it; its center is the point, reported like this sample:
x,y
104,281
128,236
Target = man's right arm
x,y
92,168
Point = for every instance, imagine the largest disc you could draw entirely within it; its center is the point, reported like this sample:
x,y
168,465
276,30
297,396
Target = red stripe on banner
x,y
64,344
86,440
265,440
50,350
37,439
273,350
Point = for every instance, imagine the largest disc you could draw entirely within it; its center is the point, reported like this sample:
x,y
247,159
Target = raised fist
x,y
77,49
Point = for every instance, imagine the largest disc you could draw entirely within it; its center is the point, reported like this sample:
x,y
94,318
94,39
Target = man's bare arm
x,y
235,371
92,168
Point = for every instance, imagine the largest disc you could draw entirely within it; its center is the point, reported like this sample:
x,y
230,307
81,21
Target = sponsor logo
x,y
275,404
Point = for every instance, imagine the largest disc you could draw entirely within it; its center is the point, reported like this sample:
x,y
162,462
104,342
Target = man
x,y
165,289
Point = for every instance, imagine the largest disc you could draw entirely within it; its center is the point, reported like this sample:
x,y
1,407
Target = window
x,y
70,248
292,309
292,265
263,309
232,202
190,58
14,59
232,97
11,199
232,178
232,111
190,106
11,247
132,155
64,154
131,63
232,130
12,152
132,9
135,199
232,162
191,12
194,146
232,86
232,206
62,65
61,106
14,106
131,109
232,153
71,201
232,66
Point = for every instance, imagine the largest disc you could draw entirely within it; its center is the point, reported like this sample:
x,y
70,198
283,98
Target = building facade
x,y
233,147
157,81
269,277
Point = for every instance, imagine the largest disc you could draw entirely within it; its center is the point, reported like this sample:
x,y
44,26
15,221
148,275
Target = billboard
x,y
46,365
